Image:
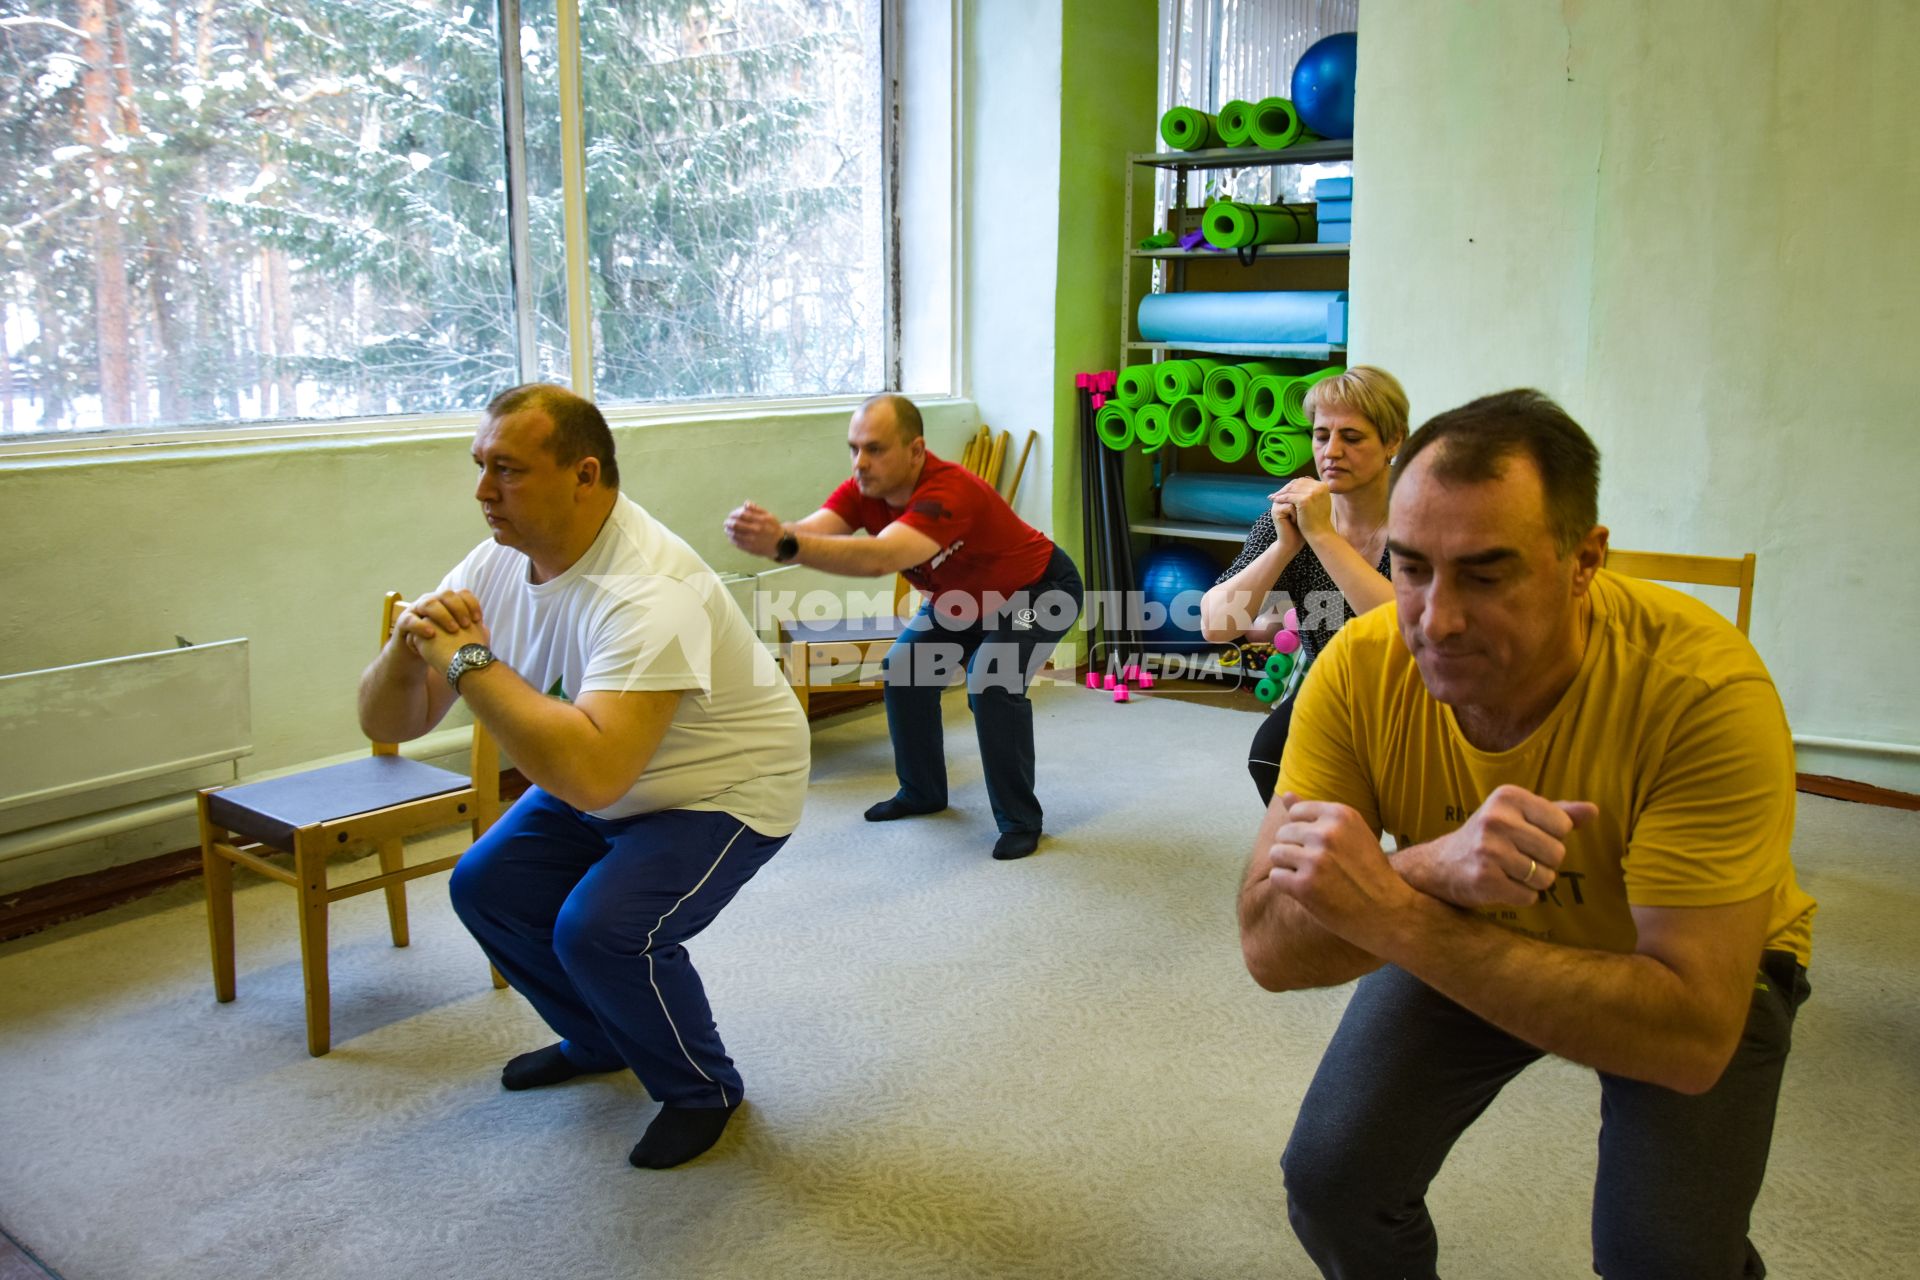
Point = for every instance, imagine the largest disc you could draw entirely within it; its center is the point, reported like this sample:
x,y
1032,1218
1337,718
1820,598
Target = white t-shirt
x,y
641,611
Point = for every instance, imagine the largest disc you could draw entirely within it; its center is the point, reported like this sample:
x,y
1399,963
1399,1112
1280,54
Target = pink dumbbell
x,y
1093,679
1111,681
1291,621
1287,642
1146,679
1120,694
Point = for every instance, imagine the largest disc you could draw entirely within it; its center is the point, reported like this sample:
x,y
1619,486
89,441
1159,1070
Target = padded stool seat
x,y
855,640
273,811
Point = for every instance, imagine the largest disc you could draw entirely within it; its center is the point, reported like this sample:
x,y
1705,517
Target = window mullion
x,y
513,120
573,184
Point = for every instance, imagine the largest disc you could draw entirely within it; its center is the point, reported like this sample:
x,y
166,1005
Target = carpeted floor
x,y
955,1067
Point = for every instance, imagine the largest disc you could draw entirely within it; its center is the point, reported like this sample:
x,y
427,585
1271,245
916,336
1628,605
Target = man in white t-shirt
x,y
668,758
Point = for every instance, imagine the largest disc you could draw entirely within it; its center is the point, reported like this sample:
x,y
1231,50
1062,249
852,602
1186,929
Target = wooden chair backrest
x,y
1705,571
485,762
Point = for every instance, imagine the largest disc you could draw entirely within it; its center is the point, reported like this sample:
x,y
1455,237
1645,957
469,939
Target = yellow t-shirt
x,y
1672,727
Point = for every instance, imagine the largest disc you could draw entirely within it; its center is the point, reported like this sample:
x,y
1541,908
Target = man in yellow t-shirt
x,y
1589,781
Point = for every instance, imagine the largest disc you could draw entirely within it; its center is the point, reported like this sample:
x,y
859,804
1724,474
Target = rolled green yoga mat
x,y
1187,420
1186,129
1228,438
1275,124
1225,390
1150,426
1114,423
1175,378
1265,409
1236,123
1228,224
1281,453
1293,402
1134,387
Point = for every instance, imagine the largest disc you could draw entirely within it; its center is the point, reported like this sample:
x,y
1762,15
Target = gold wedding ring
x,y
1532,866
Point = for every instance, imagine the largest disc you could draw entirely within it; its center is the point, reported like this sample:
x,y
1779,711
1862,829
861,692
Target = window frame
x,y
132,440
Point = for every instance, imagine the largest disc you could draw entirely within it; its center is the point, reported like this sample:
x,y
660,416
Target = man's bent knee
x,y
587,931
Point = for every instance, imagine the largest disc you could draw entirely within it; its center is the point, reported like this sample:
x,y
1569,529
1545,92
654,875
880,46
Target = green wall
x,y
1694,225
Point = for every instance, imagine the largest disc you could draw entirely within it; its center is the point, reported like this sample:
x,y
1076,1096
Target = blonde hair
x,y
1373,393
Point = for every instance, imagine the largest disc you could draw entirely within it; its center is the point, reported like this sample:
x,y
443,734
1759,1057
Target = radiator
x,y
78,738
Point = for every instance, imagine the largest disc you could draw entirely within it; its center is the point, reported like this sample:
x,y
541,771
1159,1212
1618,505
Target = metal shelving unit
x,y
1186,529
1173,264
1277,351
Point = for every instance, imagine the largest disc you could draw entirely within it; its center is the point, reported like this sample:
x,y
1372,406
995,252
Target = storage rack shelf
x,y
1183,164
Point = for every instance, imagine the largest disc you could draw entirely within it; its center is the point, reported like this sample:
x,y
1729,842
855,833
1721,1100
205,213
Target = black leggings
x,y
1263,757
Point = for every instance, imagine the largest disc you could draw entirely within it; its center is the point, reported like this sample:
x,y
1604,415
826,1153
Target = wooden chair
x,y
378,801
838,643
1705,571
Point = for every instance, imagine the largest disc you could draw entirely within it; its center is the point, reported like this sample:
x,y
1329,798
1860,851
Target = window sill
x,y
29,452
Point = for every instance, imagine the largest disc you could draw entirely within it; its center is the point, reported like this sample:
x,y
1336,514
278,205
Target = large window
x,y
216,211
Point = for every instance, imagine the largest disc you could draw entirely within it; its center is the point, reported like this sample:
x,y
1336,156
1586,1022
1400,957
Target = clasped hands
x,y
1306,504
436,625
1326,858
754,529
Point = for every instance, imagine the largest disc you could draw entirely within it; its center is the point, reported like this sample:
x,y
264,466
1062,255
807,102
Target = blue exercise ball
x,y
1323,85
1173,578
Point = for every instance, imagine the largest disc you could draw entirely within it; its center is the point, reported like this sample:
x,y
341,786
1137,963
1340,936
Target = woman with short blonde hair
x,y
1323,542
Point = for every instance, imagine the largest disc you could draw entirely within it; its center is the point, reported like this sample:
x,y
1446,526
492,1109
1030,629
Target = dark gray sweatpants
x,y
1408,1070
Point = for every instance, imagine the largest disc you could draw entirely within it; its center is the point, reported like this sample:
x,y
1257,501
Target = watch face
x,y
472,655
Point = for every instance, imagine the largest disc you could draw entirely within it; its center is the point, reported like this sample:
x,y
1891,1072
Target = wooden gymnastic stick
x,y
996,458
1021,466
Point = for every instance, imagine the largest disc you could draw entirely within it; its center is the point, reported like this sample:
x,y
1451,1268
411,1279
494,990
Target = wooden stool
x,y
378,801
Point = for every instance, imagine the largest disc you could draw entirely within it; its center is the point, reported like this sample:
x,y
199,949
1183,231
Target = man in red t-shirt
x,y
999,596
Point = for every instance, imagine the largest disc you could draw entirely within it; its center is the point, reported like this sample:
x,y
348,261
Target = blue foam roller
x,y
1337,324
1215,499
1240,317
1335,233
1333,189
1334,211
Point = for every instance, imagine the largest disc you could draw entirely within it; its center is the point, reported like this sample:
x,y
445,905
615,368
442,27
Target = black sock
x,y
678,1134
889,809
1015,844
541,1067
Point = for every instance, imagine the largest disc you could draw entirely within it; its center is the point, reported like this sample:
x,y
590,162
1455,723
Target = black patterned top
x,y
1316,597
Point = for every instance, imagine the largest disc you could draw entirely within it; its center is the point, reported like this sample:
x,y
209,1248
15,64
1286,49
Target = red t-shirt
x,y
984,546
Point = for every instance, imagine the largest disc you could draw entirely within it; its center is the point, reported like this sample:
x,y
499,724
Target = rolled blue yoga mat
x,y
1241,317
1333,189
1215,499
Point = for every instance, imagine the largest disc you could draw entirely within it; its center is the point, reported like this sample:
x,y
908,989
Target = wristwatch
x,y
468,657
786,549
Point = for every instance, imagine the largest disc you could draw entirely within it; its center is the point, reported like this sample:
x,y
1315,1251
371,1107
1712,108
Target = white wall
x,y
1694,225
1010,208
